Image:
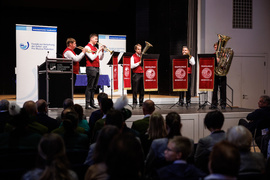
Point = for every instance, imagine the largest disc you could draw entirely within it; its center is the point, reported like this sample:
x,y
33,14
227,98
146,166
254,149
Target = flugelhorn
x,y
87,50
105,48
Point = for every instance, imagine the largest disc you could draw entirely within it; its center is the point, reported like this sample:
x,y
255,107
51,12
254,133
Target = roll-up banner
x,y
127,72
206,72
180,74
115,73
33,44
150,68
115,43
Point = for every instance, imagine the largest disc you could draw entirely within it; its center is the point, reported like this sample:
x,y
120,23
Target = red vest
x,y
95,62
139,68
189,69
76,65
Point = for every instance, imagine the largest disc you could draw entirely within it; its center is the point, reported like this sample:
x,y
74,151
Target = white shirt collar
x,y
180,162
147,115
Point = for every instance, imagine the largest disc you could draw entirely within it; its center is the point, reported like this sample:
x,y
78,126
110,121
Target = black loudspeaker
x,y
55,83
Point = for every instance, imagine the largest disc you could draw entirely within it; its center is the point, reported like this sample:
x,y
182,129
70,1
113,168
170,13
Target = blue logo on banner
x,y
24,46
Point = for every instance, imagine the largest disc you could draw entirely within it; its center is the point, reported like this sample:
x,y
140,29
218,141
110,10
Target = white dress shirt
x,y
192,61
92,56
75,58
132,64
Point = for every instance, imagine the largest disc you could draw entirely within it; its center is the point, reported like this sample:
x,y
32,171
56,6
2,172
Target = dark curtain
x,y
192,40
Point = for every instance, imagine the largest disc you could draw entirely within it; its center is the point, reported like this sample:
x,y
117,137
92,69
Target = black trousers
x,y
137,87
188,92
92,81
74,80
221,82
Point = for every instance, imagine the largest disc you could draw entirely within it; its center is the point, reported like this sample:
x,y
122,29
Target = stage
x,y
192,118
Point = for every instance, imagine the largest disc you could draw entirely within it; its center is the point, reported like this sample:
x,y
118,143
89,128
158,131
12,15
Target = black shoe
x,y
88,106
223,106
188,104
180,104
93,106
213,107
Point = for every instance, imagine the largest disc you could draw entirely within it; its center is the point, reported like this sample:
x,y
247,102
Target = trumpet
x,y
105,48
87,50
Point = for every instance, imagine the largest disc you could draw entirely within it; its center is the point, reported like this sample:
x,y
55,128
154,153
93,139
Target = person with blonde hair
x,y
250,162
157,129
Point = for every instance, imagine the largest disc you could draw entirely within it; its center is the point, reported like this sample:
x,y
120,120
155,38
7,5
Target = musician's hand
x,y
84,50
101,48
140,62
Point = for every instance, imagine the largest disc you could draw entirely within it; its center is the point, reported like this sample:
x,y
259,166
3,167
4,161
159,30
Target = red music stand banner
x,y
180,74
126,72
150,69
206,72
115,73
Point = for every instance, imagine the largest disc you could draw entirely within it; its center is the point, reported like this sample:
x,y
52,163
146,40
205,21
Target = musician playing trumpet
x,y
191,62
70,54
92,69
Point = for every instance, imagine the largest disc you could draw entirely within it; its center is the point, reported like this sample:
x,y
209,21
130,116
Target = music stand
x,y
150,56
110,63
206,102
126,54
172,57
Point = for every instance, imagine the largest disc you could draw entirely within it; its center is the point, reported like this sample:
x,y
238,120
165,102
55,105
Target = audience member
x,y
259,120
82,122
98,154
96,115
4,114
224,161
142,125
52,150
178,150
117,118
43,118
125,158
72,138
31,109
20,138
155,158
213,121
105,105
61,129
68,103
250,161
157,129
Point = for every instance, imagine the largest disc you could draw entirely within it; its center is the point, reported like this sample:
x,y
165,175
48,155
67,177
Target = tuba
x,y
225,56
147,46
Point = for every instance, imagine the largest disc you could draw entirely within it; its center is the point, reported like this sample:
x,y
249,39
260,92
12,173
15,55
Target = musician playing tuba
x,y
137,77
220,81
70,54
191,62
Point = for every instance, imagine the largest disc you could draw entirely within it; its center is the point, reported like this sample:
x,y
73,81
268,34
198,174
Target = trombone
x,y
105,48
87,50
